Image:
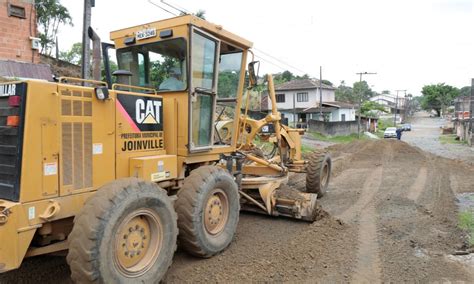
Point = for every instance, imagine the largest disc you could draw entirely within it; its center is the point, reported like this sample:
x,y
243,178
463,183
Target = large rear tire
x,y
318,173
125,233
208,208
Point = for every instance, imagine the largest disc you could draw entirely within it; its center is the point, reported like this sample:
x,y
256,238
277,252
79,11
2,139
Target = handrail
x,y
114,87
65,79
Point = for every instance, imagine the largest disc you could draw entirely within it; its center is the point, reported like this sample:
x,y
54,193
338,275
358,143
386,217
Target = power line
x,y
269,62
176,7
151,2
281,61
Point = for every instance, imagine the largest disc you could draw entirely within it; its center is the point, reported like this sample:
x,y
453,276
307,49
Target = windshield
x,y
160,65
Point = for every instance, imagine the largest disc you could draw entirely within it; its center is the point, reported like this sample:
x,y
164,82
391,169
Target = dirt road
x,y
425,134
392,217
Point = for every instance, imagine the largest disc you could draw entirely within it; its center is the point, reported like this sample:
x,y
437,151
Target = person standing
x,y
399,133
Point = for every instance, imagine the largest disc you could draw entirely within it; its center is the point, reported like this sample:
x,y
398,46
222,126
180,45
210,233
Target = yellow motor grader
x,y
112,171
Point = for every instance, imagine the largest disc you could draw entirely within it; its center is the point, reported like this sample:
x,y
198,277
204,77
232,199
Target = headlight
x,y
101,93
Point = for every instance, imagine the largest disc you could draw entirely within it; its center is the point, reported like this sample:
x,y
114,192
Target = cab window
x,y
160,65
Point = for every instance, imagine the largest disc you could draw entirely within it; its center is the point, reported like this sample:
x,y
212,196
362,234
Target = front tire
x,y
125,233
318,173
208,208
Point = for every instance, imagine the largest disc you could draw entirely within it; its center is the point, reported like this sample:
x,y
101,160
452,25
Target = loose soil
x,y
392,217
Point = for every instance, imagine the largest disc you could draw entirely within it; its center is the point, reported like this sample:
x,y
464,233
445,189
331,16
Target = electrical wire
x,y
280,61
151,2
269,62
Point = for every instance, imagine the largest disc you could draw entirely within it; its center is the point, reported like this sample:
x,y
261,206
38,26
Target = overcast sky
x,y
408,43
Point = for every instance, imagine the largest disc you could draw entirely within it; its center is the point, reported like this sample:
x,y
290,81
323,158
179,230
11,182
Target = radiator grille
x,y
78,156
66,107
77,108
87,154
87,108
65,93
76,140
67,153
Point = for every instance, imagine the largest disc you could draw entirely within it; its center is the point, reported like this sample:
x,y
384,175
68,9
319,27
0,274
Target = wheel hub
x,y
138,242
216,212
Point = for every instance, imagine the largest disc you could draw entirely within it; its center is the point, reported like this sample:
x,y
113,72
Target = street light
x,y
360,100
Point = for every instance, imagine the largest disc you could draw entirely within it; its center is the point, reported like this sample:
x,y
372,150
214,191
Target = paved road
x,y
425,135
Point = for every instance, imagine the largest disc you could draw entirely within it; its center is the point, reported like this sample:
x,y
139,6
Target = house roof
x,y
302,84
308,110
339,104
23,70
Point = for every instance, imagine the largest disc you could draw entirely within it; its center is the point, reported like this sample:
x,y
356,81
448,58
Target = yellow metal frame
x,y
44,199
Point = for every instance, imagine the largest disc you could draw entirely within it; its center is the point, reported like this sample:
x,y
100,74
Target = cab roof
x,y
209,27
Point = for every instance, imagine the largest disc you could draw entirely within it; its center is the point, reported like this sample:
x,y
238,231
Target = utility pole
x,y
321,93
294,111
85,70
396,107
360,100
471,116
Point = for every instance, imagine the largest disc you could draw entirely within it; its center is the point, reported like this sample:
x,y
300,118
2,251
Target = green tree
x,y
370,107
50,14
200,14
327,82
344,93
72,55
348,94
362,89
159,70
465,91
438,97
227,84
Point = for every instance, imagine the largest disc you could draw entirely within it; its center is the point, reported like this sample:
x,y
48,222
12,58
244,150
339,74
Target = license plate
x,y
146,33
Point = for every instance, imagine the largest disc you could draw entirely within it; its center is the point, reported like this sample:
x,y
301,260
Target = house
x,y
19,48
461,117
390,102
299,101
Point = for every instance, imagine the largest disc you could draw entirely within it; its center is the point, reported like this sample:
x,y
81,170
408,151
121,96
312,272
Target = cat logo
x,y
147,112
142,113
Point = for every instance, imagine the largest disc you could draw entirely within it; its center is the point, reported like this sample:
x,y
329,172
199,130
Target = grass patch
x,y
384,123
379,133
450,139
306,149
466,222
336,139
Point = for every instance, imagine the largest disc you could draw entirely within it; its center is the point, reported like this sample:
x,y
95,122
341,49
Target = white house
x,y
390,102
299,100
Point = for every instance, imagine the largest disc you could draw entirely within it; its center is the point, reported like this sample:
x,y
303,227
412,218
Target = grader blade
x,y
273,197
292,203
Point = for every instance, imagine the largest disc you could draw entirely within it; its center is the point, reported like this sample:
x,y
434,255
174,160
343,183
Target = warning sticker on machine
x,y
158,176
97,148
50,169
31,213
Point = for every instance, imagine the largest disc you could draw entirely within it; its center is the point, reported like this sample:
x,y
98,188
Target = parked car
x,y
390,132
406,127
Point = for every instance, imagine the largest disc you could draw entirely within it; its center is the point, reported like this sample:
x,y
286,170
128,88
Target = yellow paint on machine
x,y
154,168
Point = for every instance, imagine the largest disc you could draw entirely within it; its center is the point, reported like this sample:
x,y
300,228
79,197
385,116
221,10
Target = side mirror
x,y
252,75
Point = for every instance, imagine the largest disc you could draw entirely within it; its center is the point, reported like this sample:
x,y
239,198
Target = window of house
x,y
302,97
343,117
280,98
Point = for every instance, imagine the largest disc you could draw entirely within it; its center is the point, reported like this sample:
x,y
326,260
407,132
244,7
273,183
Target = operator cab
x,y
187,58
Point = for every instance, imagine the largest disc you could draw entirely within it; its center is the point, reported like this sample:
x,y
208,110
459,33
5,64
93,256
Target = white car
x,y
390,132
